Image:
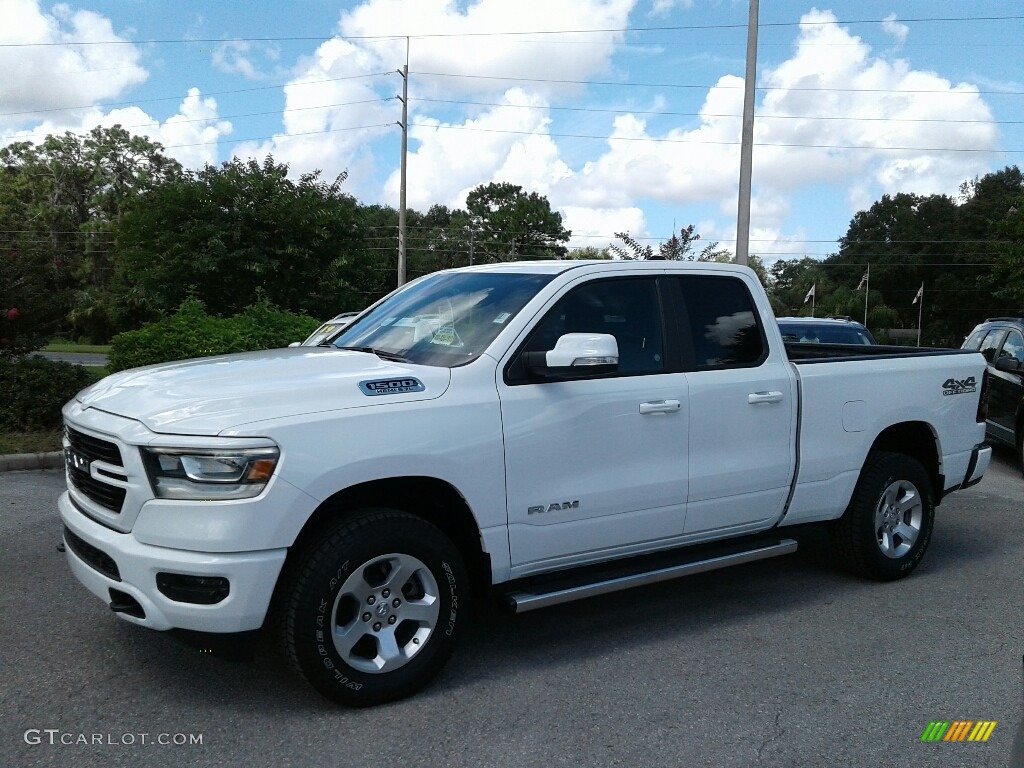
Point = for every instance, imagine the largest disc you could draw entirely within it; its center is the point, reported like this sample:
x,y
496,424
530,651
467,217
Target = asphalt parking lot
x,y
787,662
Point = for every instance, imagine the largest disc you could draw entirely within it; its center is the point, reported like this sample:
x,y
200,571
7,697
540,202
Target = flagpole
x,y
814,299
867,290
920,309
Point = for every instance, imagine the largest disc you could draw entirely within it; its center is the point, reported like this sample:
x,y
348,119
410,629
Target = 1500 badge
x,y
959,387
397,386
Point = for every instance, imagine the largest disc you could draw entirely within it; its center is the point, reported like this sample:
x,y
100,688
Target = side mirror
x,y
295,344
1008,365
576,354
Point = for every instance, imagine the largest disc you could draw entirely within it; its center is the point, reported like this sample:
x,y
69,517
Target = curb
x,y
16,462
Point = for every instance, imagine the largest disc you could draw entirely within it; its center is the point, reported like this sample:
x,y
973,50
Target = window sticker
x,y
446,336
502,317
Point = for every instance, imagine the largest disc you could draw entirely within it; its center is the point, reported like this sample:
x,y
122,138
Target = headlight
x,y
209,474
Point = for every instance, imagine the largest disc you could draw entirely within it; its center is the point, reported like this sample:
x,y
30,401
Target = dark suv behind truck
x,y
1001,341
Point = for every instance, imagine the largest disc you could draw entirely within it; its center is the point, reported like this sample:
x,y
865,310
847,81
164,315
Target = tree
x,y
590,252
224,233
60,202
676,248
1008,272
947,245
508,224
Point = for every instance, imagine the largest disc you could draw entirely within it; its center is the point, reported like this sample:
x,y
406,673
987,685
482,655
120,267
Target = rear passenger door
x,y
742,397
1005,388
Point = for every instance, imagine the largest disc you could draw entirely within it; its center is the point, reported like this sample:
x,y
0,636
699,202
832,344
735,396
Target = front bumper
x,y
252,577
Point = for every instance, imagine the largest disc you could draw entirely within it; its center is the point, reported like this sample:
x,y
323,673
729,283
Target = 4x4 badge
x,y
959,387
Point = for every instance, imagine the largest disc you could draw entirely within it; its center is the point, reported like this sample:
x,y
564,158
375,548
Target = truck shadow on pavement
x,y
246,673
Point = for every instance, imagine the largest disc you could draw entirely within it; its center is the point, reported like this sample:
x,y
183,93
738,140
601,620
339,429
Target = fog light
x,y
199,590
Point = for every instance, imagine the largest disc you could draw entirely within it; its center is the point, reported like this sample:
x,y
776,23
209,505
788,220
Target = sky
x,y
626,114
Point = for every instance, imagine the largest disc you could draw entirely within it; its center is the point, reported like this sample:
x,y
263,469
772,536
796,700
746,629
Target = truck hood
x,y
208,395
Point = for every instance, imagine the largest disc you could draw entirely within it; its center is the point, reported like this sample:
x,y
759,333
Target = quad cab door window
x,y
595,459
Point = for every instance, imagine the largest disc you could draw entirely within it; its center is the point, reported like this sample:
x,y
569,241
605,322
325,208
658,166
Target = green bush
x,y
192,333
34,390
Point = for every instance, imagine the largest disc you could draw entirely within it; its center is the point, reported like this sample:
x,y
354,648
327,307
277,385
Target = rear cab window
x,y
721,323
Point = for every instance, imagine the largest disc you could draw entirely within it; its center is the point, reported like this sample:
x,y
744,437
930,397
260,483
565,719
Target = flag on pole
x,y
810,293
863,280
920,293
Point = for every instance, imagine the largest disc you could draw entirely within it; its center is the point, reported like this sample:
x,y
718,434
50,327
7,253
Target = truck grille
x,y
84,449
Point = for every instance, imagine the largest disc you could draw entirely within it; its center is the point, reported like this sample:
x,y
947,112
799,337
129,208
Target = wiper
x,y
383,354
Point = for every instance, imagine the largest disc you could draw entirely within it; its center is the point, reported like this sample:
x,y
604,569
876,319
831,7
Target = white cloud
x,y
45,81
230,57
466,35
894,29
448,162
505,143
190,135
894,122
595,226
664,7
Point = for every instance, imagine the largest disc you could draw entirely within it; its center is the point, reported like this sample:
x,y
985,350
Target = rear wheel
x,y
373,608
886,530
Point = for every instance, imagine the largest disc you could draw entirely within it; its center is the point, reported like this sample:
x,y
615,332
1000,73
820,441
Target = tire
x,y
357,630
886,530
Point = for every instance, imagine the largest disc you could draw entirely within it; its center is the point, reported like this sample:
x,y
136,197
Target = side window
x,y
627,308
724,327
975,341
991,344
1013,346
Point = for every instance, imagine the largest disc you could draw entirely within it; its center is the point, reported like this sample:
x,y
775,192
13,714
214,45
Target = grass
x,y
97,372
66,346
30,442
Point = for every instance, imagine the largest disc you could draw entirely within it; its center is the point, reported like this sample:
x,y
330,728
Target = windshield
x,y
447,319
810,333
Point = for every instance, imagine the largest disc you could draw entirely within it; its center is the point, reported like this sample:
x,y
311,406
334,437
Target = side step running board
x,y
522,600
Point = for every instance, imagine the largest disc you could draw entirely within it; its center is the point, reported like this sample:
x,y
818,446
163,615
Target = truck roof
x,y
557,266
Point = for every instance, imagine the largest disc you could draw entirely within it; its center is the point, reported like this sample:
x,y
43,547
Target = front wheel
x,y
886,529
374,607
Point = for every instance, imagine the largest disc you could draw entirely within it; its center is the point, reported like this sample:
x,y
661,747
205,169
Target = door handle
x,y
660,406
764,397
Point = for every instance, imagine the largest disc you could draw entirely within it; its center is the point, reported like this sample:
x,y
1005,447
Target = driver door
x,y
595,466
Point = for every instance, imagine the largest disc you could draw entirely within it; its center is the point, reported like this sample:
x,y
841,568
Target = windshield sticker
x,y
502,317
391,386
446,336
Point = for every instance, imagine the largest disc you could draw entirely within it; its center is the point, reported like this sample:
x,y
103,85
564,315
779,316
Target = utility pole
x,y
404,72
747,142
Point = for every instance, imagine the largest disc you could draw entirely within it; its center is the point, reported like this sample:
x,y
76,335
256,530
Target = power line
x,y
509,33
221,117
186,95
668,113
699,86
716,143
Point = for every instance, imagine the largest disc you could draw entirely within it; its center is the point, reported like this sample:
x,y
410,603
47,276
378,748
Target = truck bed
x,y
802,352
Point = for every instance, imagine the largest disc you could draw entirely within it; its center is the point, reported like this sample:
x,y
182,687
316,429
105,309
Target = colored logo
x,y
958,730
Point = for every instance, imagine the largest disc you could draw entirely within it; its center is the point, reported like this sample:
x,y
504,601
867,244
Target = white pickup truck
x,y
547,431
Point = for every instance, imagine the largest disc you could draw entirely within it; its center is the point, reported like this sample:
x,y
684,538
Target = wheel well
x,y
429,498
914,439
